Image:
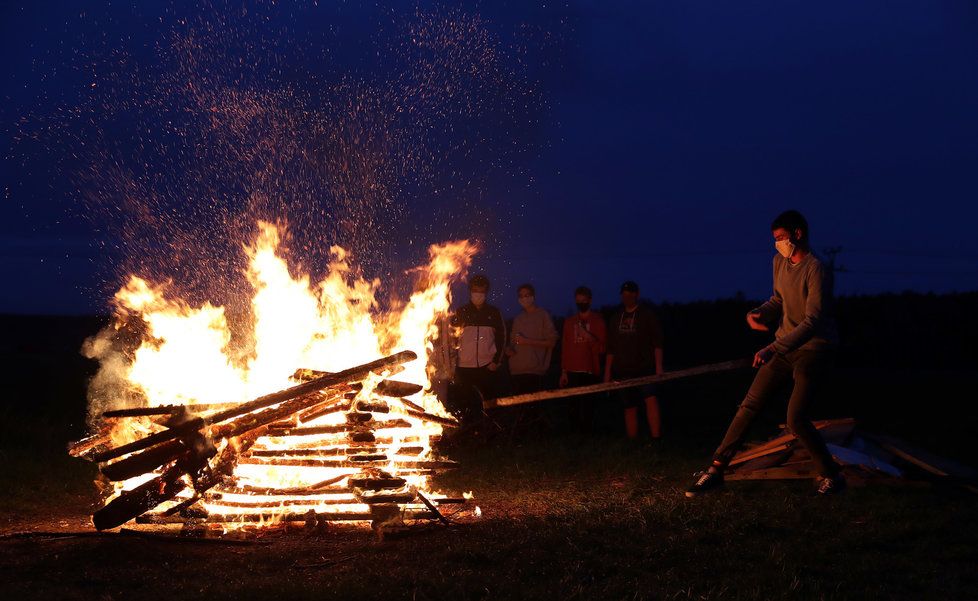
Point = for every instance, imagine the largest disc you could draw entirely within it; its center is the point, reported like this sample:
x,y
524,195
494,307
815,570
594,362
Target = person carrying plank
x,y
802,353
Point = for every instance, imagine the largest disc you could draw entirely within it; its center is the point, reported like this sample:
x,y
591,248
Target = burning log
x,y
342,377
336,451
356,428
401,497
135,502
326,408
186,446
289,394
430,417
388,388
395,389
88,445
271,518
143,461
348,500
432,508
187,427
377,483
278,492
369,461
166,410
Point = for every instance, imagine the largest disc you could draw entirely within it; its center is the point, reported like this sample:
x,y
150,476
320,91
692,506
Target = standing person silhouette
x,y
481,342
634,351
583,342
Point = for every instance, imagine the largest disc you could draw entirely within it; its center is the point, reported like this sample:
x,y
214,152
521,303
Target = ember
x,y
331,443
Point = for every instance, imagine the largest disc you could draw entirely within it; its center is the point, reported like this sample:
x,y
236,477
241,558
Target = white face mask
x,y
478,298
785,247
527,301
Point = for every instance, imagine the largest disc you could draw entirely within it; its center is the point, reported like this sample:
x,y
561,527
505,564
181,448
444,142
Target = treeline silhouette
x,y
891,345
907,331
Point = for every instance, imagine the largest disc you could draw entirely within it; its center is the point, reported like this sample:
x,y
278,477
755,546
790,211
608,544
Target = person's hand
x,y
755,323
563,380
763,356
493,366
520,339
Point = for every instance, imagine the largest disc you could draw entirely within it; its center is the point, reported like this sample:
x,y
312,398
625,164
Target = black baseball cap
x,y
629,286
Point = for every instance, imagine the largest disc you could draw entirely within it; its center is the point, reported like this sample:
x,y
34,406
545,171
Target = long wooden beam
x,y
535,397
300,390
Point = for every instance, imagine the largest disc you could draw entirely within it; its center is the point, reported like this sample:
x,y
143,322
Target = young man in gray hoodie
x,y
802,352
532,342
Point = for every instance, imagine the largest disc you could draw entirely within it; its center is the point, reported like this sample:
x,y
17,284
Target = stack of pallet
x,y
865,456
331,448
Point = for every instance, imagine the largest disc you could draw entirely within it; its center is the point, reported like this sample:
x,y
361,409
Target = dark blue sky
x,y
667,136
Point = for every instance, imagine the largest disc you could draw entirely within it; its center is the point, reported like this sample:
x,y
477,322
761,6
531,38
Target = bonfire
x,y
327,414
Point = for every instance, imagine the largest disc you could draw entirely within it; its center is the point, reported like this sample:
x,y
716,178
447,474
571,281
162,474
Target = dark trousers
x,y
581,408
475,384
526,383
531,419
808,370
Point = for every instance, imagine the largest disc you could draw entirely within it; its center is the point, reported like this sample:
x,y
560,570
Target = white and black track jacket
x,y
483,335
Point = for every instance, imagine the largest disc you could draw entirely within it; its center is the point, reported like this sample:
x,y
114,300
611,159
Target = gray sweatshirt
x,y
802,304
532,359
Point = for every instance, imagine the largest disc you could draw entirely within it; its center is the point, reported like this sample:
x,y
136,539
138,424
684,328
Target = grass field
x,y
564,518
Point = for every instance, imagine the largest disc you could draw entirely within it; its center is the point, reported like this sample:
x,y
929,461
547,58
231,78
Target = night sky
x,y
651,141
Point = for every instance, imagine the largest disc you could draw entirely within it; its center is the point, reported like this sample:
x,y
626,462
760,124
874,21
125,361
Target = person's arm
x,y
525,341
610,358
655,329
769,313
565,350
819,283
600,334
499,334
548,342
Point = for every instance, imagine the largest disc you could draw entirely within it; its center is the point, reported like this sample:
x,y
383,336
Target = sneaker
x,y
705,482
830,485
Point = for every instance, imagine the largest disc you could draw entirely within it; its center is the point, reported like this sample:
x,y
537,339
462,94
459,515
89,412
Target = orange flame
x,y
185,356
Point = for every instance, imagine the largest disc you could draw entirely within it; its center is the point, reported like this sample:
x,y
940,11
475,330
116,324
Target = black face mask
x,y
583,307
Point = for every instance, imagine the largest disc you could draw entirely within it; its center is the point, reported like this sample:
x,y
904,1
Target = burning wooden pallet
x,y
336,447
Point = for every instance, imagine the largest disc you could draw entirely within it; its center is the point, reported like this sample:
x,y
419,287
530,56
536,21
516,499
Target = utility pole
x,y
831,253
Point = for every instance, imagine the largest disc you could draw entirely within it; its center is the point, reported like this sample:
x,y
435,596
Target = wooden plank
x,y
271,518
402,464
938,466
784,441
338,428
535,397
773,473
770,460
289,394
166,410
